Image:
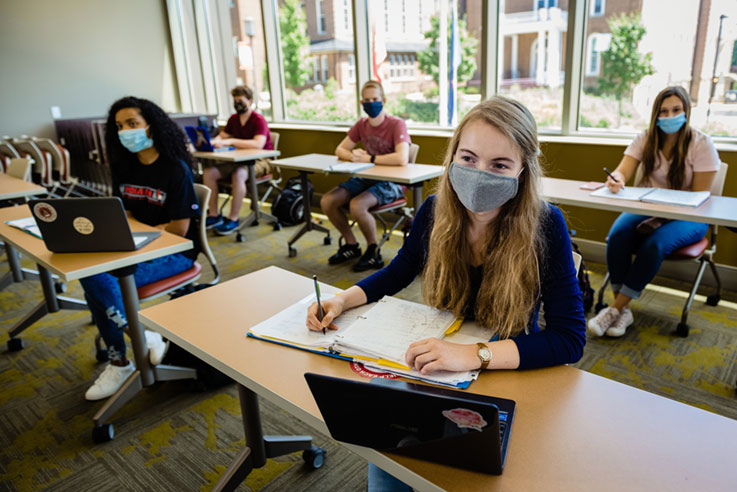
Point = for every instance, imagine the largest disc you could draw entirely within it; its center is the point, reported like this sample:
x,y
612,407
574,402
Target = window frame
x,y
216,50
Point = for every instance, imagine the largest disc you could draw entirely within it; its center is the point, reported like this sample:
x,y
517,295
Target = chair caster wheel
x,y
327,241
276,226
14,344
60,287
292,252
240,238
101,355
103,433
682,330
314,457
599,306
713,300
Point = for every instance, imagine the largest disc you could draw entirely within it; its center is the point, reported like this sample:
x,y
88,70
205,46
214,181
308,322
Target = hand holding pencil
x,y
614,181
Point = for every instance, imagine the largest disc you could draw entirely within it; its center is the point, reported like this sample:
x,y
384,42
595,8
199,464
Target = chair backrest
x,y
203,198
414,149
274,140
20,168
576,260
59,156
6,148
717,186
40,164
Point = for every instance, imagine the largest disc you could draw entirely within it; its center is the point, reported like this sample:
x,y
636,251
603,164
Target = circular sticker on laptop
x,y
45,212
361,370
83,225
465,418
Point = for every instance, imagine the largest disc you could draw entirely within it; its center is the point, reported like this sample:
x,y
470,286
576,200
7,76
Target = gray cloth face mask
x,y
481,191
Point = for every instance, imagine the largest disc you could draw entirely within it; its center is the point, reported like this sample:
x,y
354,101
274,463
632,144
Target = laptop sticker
x,y
45,212
463,417
83,225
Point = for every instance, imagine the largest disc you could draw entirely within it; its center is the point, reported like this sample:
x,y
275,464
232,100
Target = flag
x,y
455,61
378,53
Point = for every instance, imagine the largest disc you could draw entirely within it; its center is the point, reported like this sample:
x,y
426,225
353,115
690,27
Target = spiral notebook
x,y
376,335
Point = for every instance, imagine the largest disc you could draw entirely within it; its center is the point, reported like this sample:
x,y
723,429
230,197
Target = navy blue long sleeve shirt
x,y
563,338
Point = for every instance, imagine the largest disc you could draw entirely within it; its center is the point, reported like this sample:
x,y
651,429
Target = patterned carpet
x,y
175,437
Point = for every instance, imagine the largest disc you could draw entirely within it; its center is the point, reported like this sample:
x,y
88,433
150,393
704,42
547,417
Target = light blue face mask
x,y
672,124
135,140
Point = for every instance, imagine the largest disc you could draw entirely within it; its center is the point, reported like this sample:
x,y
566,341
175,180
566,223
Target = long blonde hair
x,y
511,270
654,141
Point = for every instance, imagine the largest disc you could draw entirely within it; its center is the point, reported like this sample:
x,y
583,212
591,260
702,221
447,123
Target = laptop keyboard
x,y
502,425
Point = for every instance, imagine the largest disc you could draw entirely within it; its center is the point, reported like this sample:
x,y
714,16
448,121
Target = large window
x,y
633,53
593,70
531,50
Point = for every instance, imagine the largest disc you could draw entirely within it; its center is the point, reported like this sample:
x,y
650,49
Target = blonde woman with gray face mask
x,y
488,248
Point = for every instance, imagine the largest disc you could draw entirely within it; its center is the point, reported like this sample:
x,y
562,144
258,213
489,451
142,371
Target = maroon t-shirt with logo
x,y
255,125
382,139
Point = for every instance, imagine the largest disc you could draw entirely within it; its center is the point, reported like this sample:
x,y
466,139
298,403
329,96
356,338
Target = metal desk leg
x,y
14,263
51,304
307,218
258,447
417,196
256,212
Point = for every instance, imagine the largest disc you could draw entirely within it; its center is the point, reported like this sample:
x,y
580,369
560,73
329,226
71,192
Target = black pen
x,y
319,305
611,175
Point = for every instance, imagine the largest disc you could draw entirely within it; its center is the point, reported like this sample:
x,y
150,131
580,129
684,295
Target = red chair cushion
x,y
389,206
264,178
690,252
170,282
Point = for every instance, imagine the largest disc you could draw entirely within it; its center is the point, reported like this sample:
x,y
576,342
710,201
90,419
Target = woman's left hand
x,y
433,354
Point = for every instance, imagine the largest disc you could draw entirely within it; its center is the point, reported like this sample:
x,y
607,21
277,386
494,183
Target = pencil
x,y
320,314
611,175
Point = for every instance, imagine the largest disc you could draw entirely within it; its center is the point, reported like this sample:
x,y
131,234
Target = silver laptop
x,y
79,225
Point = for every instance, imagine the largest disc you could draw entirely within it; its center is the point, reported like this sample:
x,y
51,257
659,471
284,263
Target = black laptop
x,y
200,138
79,225
445,426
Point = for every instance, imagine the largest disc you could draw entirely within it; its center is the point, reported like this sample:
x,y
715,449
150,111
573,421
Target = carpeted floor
x,y
176,437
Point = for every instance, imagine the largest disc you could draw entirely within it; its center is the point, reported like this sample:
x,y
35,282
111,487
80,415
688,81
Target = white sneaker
x,y
157,347
111,379
599,324
624,320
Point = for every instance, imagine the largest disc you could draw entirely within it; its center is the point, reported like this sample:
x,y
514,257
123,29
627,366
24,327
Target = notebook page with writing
x,y
677,197
350,167
392,325
289,325
628,193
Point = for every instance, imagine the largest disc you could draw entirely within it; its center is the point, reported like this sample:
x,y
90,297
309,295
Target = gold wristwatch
x,y
484,354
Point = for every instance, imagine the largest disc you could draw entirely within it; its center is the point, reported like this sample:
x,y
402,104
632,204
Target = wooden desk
x,y
75,266
717,210
412,175
247,157
572,430
11,187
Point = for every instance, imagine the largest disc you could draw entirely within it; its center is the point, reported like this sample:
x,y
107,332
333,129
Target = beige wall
x,y
81,55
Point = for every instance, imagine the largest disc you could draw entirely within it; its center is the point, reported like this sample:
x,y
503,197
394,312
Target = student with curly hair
x,y
152,174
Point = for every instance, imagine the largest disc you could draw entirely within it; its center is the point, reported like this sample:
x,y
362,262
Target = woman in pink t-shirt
x,y
672,155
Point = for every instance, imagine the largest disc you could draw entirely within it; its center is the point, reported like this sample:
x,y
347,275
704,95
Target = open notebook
x,y
376,335
350,167
656,195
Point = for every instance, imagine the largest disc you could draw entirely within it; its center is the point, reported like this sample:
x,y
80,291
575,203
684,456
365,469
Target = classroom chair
x,y
60,163
268,179
20,168
398,207
176,284
577,258
7,152
702,252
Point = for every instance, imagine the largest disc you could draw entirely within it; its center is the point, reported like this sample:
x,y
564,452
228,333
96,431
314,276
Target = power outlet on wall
x,y
55,112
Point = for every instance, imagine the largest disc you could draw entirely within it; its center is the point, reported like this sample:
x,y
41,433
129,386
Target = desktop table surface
x,y
717,210
572,430
409,174
11,187
238,155
73,266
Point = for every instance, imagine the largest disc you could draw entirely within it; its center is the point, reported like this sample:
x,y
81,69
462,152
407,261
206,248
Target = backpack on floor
x,y
288,206
587,293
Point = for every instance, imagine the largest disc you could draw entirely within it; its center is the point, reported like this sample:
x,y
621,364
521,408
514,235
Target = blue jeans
x,y
381,481
105,300
384,191
630,277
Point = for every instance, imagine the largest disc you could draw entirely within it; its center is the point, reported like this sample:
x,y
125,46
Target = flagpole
x,y
443,63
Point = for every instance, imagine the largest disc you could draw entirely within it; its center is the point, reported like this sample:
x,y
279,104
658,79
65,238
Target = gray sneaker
x,y
623,321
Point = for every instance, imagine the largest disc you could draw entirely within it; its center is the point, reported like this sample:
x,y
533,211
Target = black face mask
x,y
240,108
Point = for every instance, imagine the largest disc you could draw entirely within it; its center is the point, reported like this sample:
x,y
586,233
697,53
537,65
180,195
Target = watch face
x,y
485,354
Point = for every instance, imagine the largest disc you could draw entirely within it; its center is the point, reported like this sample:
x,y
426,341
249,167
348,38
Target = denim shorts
x,y
384,191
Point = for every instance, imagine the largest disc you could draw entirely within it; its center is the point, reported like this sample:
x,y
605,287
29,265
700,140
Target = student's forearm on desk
x,y
344,154
254,143
352,297
393,159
